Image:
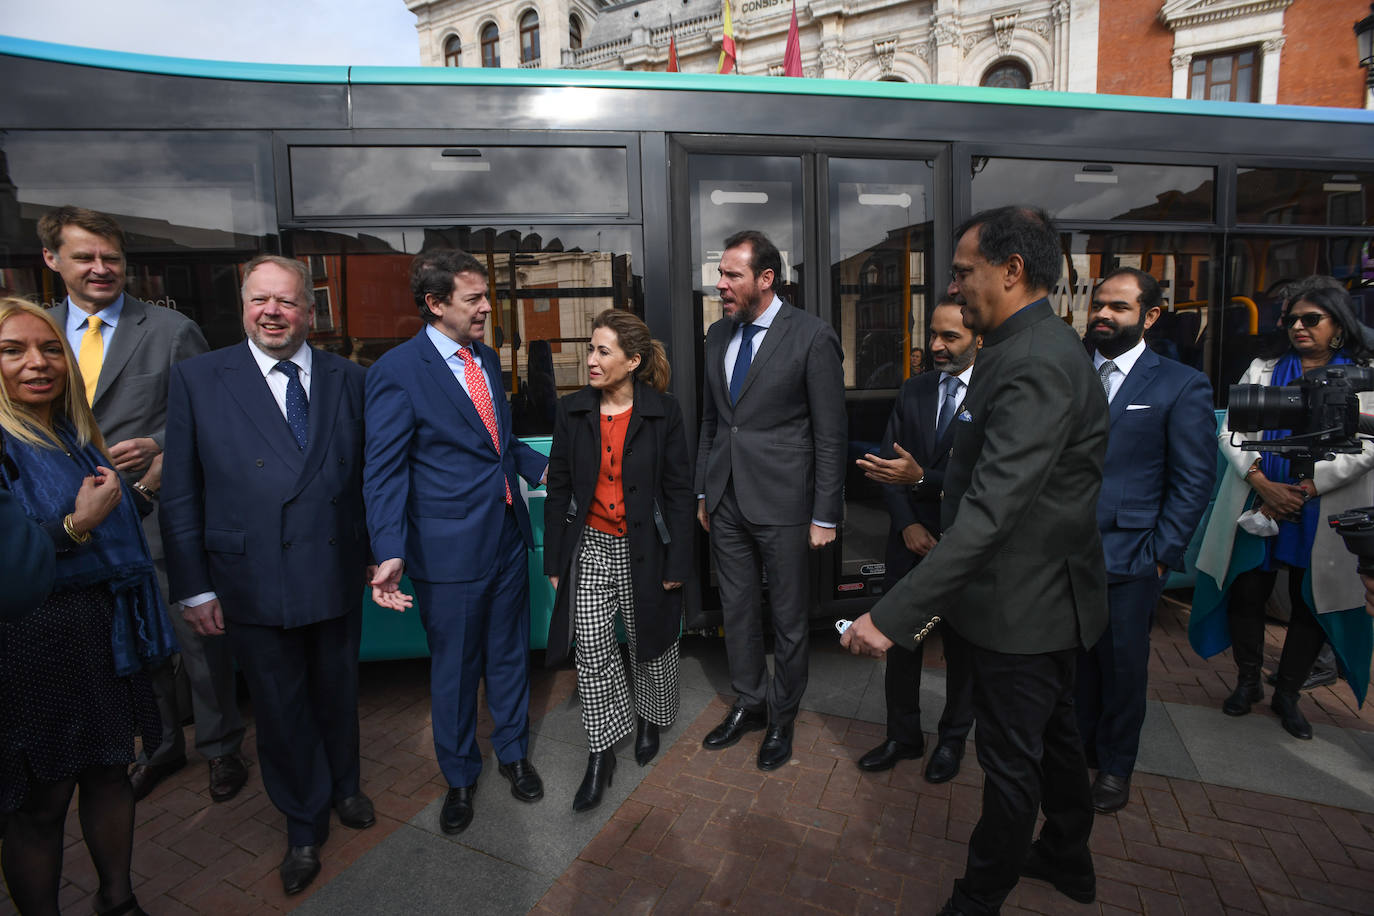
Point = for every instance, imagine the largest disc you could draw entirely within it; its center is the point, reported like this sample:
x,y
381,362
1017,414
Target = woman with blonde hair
x,y
618,541
66,701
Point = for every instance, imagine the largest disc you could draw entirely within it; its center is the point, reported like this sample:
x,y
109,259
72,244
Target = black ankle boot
x,y
1248,692
646,742
600,769
1290,717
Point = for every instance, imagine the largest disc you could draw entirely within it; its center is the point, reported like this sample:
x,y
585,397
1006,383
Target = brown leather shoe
x,y
144,777
227,776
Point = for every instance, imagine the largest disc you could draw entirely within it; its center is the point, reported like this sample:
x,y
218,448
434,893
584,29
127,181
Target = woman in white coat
x,y
1237,570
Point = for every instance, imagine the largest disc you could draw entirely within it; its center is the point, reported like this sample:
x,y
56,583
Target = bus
x,y
586,190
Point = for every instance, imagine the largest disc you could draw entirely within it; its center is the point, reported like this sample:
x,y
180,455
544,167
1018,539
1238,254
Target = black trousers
x,y
1112,677
304,684
1032,759
743,551
1245,614
902,686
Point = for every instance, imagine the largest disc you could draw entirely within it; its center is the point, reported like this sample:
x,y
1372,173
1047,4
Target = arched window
x,y
529,37
574,32
453,52
491,45
1007,74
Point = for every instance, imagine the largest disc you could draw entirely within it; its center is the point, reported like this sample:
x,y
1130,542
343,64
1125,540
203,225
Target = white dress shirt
x,y
762,323
963,378
277,381
1123,364
448,348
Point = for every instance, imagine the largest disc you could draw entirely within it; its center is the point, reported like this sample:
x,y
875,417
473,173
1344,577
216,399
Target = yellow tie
x,y
92,355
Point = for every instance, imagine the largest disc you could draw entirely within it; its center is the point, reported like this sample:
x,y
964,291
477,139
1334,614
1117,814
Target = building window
x,y
453,52
491,45
529,37
574,32
1007,74
1230,76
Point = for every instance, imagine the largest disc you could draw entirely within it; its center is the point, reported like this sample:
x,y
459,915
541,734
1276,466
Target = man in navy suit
x,y
444,505
915,453
1161,461
262,518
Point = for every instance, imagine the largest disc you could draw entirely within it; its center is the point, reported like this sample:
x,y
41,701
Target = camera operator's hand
x,y
1368,593
1281,500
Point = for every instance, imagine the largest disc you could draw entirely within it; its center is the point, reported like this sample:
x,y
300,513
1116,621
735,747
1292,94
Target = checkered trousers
x,y
603,590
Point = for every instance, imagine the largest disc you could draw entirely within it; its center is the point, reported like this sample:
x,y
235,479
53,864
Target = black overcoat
x,y
659,509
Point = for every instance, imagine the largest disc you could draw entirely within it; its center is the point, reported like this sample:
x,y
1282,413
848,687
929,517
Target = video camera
x,y
1323,410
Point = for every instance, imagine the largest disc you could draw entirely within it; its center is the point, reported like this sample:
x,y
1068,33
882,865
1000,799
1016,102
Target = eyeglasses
x,y
1308,319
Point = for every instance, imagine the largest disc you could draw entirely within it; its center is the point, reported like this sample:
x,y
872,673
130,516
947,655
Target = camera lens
x,y
1257,407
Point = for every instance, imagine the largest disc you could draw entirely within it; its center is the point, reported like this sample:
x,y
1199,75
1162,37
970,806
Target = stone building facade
x,y
1287,51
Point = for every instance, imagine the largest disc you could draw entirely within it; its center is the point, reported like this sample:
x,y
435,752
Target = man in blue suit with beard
x,y
1157,478
262,518
444,505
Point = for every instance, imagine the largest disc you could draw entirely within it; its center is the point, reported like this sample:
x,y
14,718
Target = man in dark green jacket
x,y
1019,572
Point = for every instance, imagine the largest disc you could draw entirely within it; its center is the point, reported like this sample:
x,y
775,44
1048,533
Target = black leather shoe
x,y
646,742
950,909
227,776
144,777
1290,717
943,765
456,814
1247,693
525,783
1079,887
356,812
129,907
1110,793
733,727
600,772
885,756
776,748
299,868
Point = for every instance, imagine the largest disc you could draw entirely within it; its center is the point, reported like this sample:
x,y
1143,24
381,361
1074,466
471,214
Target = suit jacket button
x,y
632,489
259,462
734,429
286,545
333,541
333,500
341,461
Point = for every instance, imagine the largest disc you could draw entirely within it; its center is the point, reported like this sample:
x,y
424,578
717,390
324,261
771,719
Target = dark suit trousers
x,y
1112,677
902,685
480,630
742,551
1032,758
304,684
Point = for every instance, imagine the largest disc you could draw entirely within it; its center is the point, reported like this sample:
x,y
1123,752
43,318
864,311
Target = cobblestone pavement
x,y
707,831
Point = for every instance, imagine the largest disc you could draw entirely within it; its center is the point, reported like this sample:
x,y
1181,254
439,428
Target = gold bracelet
x,y
146,492
68,527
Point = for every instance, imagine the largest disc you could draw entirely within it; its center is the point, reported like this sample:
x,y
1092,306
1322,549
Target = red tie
x,y
481,399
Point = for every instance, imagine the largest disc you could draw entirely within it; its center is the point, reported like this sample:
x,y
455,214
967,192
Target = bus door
x,y
856,235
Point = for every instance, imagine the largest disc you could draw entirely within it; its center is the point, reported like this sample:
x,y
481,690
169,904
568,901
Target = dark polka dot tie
x,y
297,405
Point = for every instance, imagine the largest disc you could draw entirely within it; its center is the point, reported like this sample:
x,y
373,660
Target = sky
x,y
357,32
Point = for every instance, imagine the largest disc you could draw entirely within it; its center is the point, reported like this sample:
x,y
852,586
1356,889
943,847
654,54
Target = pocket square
x,y
964,416
1137,406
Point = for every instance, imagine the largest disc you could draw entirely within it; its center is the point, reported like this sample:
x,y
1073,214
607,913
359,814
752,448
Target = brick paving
x,y
708,831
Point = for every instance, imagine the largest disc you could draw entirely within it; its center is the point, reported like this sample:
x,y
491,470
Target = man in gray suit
x,y
1019,572
770,475
125,348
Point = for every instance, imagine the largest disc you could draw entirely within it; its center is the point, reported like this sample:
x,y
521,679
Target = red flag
x,y
791,58
727,44
672,47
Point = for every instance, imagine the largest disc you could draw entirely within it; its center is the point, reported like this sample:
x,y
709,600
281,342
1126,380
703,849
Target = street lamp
x,y
1364,40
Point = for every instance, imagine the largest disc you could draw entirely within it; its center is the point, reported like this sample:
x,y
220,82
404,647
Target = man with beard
x,y
1018,573
1161,461
770,476
912,471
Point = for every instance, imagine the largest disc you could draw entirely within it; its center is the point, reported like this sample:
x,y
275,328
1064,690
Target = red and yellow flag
x,y
727,44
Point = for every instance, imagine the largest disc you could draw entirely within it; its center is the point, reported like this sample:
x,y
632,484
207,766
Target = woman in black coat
x,y
618,541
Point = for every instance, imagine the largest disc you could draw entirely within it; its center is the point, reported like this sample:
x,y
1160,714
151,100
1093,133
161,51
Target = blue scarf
x,y
45,482
1294,542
